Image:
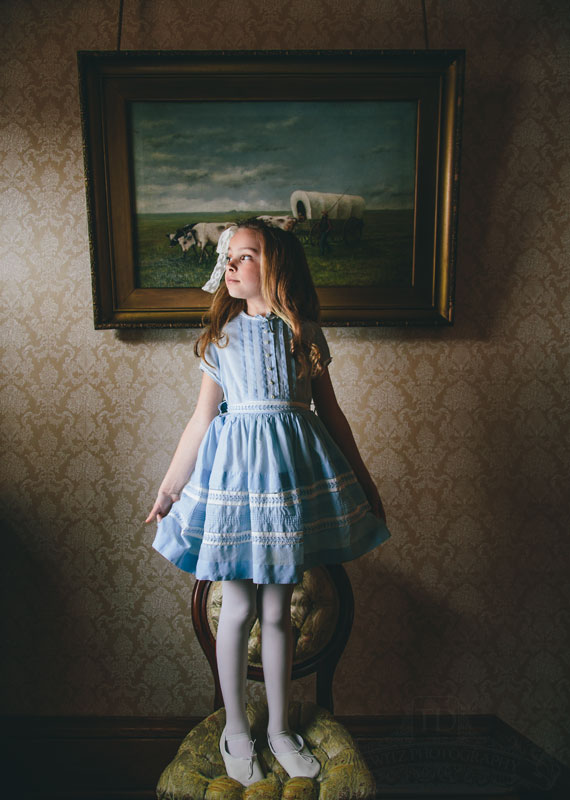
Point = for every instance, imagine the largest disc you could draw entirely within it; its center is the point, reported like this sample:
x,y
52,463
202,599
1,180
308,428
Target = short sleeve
x,y
211,366
318,338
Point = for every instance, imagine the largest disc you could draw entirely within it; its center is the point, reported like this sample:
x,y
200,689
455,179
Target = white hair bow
x,y
222,249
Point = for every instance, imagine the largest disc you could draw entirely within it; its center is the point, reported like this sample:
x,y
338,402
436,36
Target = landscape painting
x,y
356,152
341,175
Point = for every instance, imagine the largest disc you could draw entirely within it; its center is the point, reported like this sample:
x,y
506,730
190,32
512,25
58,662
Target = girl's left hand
x,y
373,497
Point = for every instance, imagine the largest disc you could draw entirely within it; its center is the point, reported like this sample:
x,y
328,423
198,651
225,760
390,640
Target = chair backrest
x,y
322,611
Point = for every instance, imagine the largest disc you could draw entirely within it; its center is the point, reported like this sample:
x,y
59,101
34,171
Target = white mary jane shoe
x,y
244,770
298,763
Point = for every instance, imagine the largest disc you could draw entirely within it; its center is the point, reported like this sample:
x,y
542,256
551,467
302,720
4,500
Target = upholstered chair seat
x,y
197,772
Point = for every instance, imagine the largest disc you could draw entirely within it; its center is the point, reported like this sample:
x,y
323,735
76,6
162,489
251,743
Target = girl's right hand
x,y
162,506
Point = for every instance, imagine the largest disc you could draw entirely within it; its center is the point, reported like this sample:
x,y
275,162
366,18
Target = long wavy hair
x,y
286,287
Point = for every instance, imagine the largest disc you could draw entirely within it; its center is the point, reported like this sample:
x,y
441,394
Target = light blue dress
x,y
271,494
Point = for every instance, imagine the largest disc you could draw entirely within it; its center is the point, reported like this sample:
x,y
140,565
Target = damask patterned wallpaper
x,y
466,430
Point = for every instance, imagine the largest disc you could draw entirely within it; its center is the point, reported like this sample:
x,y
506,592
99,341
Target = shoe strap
x,y
291,735
252,757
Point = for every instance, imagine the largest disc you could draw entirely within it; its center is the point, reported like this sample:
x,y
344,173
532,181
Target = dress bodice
x,y
256,363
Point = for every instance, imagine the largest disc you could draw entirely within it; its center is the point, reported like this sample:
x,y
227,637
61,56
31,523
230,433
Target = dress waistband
x,y
262,406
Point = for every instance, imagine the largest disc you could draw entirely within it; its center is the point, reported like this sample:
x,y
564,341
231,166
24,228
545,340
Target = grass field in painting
x,y
381,257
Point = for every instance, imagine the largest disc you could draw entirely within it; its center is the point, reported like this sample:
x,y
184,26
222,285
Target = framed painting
x,y
355,152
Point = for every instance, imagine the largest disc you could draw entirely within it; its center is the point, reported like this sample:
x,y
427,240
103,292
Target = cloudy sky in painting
x,y
251,156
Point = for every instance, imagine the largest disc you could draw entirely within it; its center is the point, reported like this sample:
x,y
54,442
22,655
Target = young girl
x,y
260,488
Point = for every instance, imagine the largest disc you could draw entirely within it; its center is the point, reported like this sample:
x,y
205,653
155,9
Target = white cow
x,y
285,223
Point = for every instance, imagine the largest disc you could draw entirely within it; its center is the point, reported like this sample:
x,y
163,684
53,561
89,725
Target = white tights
x,y
242,599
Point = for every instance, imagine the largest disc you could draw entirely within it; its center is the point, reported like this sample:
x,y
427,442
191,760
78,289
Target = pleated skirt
x,y
271,495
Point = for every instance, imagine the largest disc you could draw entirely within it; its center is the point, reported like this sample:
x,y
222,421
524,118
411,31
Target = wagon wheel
x,y
302,232
315,234
352,232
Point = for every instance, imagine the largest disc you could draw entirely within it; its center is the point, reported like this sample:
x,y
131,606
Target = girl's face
x,y
243,268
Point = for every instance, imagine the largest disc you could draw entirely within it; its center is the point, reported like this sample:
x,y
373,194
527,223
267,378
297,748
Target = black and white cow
x,y
200,235
180,233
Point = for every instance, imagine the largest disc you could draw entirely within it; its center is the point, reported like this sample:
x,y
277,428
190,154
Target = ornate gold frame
x,y
109,81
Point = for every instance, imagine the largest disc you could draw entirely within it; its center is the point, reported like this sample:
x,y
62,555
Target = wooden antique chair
x,y
322,609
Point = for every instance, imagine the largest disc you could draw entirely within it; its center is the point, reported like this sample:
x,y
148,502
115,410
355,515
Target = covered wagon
x,y
345,212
